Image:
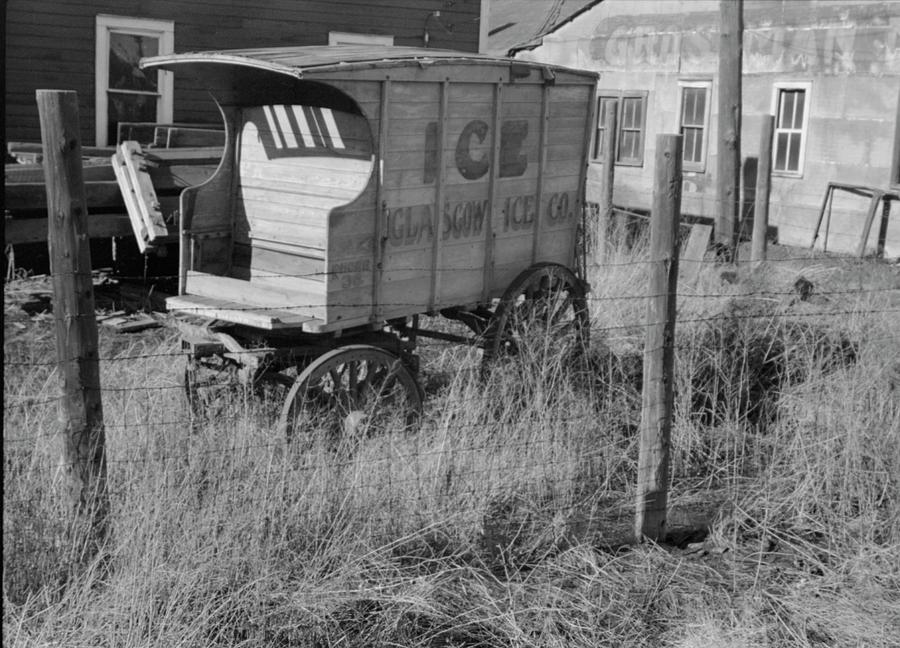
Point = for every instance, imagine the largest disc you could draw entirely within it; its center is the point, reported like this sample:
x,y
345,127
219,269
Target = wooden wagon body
x,y
362,184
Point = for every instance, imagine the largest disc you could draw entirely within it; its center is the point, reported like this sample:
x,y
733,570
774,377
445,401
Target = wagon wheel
x,y
543,313
353,391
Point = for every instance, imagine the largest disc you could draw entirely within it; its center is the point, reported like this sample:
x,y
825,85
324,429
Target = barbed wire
x,y
812,256
635,327
254,308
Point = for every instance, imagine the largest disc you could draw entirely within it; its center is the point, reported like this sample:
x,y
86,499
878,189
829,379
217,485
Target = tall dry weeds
x,y
486,526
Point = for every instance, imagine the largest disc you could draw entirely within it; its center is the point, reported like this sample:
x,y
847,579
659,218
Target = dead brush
x,y
479,529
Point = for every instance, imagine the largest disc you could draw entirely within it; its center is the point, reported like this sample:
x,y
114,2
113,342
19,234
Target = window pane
x,y
626,113
125,50
625,144
598,144
638,110
128,108
694,106
700,105
794,155
786,114
781,144
690,136
800,97
629,146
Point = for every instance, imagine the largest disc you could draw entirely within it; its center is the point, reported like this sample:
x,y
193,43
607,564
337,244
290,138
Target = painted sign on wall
x,y
839,40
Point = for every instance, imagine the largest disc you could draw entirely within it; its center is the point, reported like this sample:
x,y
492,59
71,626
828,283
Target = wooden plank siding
x,y
50,43
432,198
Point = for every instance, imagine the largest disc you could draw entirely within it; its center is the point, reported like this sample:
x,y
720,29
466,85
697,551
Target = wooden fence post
x,y
659,352
81,409
610,123
728,158
763,186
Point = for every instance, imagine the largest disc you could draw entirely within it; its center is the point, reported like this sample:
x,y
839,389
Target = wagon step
x,y
238,313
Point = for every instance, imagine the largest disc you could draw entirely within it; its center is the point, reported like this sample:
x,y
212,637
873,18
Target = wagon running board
x,y
237,313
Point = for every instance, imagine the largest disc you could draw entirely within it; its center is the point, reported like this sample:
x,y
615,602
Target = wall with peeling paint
x,y
848,51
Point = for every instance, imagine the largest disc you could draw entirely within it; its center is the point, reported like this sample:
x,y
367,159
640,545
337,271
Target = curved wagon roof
x,y
318,60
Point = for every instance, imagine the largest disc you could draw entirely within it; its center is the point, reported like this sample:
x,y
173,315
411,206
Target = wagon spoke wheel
x,y
543,316
352,392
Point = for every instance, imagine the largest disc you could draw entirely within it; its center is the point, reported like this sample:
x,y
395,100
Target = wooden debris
x,y
694,252
140,197
122,322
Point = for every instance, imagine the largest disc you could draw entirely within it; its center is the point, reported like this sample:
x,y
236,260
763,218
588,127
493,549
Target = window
x,y
791,112
631,119
600,140
694,123
125,93
350,38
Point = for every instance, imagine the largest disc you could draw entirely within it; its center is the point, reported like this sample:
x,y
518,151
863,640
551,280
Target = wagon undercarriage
x,y
366,380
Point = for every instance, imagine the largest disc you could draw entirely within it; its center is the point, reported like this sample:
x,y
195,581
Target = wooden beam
x,y
37,149
22,196
610,124
657,398
91,171
728,158
694,252
82,435
877,197
542,171
763,188
99,226
437,257
493,174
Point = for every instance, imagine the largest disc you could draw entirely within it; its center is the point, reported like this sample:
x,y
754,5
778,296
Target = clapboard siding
x,y
50,43
837,48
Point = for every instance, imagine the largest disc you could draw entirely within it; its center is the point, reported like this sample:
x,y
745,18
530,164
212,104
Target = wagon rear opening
x,y
296,164
290,166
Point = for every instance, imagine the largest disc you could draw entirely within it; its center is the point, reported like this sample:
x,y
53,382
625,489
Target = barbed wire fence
x,y
518,455
584,462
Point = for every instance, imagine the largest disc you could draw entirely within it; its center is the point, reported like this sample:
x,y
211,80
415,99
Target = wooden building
x,y
829,70
92,47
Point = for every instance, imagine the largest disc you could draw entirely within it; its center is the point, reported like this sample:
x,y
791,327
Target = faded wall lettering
x,y
830,39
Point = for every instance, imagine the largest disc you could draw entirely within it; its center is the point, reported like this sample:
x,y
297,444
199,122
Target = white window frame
x,y
706,84
620,96
106,24
777,88
353,38
895,162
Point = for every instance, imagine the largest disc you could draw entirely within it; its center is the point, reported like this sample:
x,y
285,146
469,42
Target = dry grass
x,y
491,526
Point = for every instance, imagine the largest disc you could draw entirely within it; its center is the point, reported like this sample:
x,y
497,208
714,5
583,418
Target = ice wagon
x,y
361,188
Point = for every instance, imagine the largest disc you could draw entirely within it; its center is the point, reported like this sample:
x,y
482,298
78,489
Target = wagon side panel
x,y
207,214
411,215
562,199
465,164
353,229
519,172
